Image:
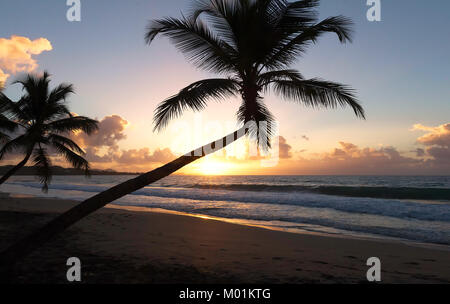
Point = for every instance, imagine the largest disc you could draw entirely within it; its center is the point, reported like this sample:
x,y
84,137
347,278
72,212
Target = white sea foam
x,y
406,219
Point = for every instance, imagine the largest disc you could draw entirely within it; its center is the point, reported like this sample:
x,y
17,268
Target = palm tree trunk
x,y
25,246
15,169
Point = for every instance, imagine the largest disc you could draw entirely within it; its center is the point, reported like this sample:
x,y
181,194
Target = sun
x,y
213,167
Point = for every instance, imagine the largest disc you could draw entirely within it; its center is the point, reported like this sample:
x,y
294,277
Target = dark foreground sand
x,y
120,246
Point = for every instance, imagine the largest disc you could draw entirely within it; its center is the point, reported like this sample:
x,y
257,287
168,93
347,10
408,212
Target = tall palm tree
x,y
253,43
43,121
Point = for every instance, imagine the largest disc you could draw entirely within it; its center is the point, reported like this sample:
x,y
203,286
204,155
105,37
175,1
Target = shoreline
x,y
247,223
124,246
258,224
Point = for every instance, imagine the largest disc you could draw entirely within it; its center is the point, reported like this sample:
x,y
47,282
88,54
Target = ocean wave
x,y
348,191
357,205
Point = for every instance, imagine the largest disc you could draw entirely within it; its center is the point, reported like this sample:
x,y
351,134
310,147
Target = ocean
x,y
408,208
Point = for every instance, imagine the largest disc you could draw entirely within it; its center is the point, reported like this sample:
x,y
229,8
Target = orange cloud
x,y
16,54
144,156
437,141
110,132
3,77
437,136
351,159
102,148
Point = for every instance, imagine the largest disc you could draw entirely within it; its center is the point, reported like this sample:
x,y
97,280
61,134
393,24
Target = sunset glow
x,y
123,96
212,167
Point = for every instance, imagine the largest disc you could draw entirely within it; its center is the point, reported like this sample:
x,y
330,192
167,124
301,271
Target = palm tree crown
x,y
42,121
253,42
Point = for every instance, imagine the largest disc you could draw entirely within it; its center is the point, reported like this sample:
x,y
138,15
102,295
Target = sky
x,y
399,68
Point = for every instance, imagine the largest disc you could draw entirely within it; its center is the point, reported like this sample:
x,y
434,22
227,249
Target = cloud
x,y
252,152
419,152
102,147
92,155
16,54
437,136
110,132
441,155
436,141
348,158
144,155
3,77
285,149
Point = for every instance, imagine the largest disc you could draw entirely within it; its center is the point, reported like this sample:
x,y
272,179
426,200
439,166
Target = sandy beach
x,y
123,246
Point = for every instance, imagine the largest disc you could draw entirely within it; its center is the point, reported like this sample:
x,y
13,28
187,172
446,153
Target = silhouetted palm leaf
x,y
269,77
71,124
285,53
74,159
196,41
194,97
67,142
318,93
42,164
18,143
6,125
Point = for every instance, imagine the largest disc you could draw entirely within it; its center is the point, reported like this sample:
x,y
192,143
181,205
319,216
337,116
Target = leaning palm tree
x,y
252,44
42,121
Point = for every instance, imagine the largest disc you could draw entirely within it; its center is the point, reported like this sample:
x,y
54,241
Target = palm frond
x,y
77,161
55,138
36,86
19,111
4,138
71,124
260,122
269,77
5,102
319,93
294,14
19,143
204,49
287,52
56,108
43,166
55,111
195,97
60,93
7,124
223,15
